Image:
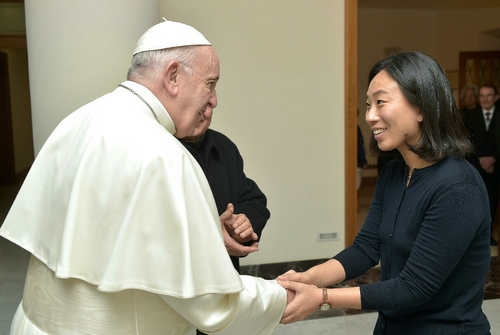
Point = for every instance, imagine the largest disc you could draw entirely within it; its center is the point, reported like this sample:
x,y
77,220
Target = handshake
x,y
303,297
306,291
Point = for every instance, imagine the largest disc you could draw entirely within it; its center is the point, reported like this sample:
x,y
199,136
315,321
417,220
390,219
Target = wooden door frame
x,y
351,119
13,42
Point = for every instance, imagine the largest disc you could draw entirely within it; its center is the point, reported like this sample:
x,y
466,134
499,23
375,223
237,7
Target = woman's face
x,y
389,114
470,98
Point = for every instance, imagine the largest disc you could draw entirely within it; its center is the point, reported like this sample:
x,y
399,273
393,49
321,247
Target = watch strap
x,y
325,305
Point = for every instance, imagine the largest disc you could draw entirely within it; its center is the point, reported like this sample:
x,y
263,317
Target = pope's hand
x,y
300,277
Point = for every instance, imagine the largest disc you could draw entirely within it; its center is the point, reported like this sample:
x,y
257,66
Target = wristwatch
x,y
325,305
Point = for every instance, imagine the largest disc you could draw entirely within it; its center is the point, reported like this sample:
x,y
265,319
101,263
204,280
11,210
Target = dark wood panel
x,y
13,42
478,68
7,164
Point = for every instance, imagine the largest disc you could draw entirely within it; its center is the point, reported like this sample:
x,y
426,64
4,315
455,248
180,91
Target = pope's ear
x,y
171,77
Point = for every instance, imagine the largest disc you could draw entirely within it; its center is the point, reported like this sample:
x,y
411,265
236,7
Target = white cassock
x,y
124,233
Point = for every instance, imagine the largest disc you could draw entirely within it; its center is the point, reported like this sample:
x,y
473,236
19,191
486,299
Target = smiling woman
x,y
429,109
427,225
388,113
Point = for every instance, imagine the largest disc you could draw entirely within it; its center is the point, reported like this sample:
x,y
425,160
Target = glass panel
x,y
483,72
469,72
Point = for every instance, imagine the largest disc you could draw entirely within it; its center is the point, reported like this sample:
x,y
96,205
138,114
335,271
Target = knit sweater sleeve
x,y
431,249
364,253
450,224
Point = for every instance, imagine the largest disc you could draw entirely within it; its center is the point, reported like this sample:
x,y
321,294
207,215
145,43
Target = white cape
x,y
115,200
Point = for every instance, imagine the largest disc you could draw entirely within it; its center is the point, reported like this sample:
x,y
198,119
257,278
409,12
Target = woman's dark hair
x,y
424,84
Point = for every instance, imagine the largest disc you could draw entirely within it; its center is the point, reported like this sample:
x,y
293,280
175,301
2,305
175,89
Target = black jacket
x,y
222,163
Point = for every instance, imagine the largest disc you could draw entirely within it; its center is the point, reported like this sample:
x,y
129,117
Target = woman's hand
x,y
307,299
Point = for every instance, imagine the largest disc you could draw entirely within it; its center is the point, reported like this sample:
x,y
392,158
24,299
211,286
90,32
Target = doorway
x,y
7,164
478,68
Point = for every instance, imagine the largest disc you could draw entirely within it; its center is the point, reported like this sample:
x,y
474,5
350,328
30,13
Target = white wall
x,y
441,34
463,30
379,29
281,100
78,51
281,96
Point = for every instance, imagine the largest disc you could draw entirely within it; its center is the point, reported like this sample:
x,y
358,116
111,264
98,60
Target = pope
x,y
119,218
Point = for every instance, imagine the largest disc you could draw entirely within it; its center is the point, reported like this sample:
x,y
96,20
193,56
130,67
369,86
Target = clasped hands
x,y
487,163
237,229
303,297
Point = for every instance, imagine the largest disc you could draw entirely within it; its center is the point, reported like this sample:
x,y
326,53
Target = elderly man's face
x,y
197,95
487,97
201,126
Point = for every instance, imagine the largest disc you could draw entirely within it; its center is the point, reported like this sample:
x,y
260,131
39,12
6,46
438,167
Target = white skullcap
x,y
169,34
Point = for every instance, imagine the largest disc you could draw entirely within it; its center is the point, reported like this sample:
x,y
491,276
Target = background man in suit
x,y
481,123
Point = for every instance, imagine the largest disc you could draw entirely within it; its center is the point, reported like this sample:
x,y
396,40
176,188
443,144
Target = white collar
x,y
158,108
489,110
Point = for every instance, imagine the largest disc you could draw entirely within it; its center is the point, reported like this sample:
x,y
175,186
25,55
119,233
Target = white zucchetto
x,y
169,34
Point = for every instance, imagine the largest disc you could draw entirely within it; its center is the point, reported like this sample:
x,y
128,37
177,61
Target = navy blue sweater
x,y
432,240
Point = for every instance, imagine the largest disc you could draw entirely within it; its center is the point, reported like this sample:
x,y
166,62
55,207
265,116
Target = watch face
x,y
325,307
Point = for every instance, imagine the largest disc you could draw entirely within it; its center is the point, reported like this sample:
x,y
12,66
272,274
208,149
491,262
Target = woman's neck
x,y
415,162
